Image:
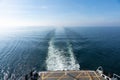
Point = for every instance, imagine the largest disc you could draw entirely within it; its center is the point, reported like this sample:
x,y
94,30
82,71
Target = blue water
x,y
71,48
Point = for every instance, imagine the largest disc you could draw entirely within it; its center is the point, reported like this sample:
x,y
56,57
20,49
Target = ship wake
x,y
57,60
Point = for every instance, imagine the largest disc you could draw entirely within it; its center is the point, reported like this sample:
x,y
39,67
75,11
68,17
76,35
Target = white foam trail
x,y
73,64
57,61
54,59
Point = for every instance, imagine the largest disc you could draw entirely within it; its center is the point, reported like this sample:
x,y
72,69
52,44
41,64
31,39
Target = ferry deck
x,y
70,75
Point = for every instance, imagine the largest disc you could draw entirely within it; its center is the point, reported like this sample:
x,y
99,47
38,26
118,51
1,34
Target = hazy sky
x,y
59,12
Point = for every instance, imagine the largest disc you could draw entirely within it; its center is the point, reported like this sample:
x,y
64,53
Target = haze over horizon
x,y
59,13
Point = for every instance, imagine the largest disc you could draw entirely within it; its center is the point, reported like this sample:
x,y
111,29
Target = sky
x,y
59,13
